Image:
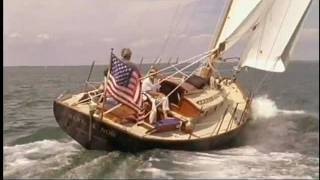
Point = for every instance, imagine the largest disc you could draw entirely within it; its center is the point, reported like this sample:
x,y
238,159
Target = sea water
x,y
282,141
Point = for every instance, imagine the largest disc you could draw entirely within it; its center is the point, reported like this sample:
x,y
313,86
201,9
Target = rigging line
x,y
176,25
219,27
186,28
182,69
162,100
220,23
264,78
140,30
181,62
186,67
179,20
268,74
169,31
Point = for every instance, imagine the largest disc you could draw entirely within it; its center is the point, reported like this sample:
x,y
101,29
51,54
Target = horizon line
x,y
305,60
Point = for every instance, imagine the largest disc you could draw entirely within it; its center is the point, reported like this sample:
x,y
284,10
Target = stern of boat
x,y
76,125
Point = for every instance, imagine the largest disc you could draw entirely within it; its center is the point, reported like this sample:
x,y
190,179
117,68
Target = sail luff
x,y
249,23
237,12
221,25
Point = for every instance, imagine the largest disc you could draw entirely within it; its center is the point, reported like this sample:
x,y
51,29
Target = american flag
x,y
124,84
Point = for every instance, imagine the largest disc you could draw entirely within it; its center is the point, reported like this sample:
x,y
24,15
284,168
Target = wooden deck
x,y
221,113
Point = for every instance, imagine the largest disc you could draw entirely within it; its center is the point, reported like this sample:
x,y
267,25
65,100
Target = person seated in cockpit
x,y
148,84
151,86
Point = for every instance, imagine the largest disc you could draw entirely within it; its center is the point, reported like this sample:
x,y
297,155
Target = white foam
x,y
264,108
156,172
183,163
87,169
291,111
248,162
154,159
34,159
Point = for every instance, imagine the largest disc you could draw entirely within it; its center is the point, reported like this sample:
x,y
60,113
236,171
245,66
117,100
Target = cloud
x,y
155,5
137,24
15,35
108,39
43,36
201,38
142,43
182,36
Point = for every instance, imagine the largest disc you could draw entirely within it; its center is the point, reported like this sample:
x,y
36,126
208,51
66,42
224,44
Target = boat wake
x,y
279,130
285,145
244,162
37,158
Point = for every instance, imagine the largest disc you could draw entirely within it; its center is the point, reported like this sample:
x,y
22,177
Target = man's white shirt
x,y
147,85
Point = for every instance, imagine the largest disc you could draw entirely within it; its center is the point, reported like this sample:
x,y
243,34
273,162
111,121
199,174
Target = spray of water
x,y
264,108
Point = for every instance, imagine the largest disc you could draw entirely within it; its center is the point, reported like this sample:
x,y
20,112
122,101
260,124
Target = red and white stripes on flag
x,y
124,83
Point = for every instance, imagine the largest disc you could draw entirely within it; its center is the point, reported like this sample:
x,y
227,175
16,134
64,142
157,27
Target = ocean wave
x,y
36,102
245,162
248,162
94,166
36,158
87,169
275,129
156,172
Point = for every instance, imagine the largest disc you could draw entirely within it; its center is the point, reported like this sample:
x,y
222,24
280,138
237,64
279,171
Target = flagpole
x,y
85,86
106,77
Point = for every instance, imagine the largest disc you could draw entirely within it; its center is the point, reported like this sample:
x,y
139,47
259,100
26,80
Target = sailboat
x,y
206,109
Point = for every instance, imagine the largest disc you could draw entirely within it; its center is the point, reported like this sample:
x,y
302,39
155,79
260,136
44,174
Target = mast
x,y
220,27
212,64
206,70
235,14
270,39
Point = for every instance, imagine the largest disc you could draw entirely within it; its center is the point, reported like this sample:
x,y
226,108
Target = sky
x,y
77,32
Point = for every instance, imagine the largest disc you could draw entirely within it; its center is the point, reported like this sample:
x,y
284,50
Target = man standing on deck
x,y
123,85
126,56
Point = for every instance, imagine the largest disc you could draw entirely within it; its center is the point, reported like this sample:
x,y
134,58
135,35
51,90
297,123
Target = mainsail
x,y
270,43
273,26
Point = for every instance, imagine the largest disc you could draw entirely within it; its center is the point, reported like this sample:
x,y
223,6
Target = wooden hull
x,y
106,137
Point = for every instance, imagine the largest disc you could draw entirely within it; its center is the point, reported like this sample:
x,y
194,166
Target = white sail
x,y
250,23
271,41
236,12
